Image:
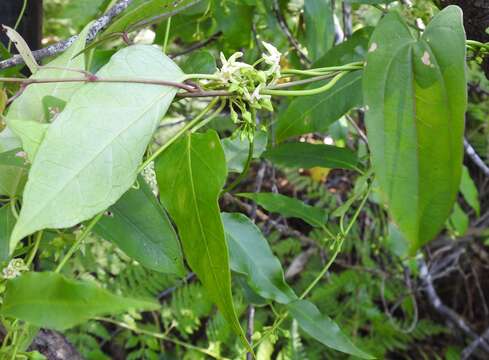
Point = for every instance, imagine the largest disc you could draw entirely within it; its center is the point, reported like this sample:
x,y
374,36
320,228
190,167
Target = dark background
x,y
31,26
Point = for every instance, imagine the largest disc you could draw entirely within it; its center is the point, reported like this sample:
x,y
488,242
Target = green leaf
x,y
138,224
53,301
143,10
315,113
22,48
322,328
236,150
371,2
191,174
90,154
306,155
9,141
288,207
416,95
251,255
234,18
13,173
318,16
307,114
459,220
7,222
81,12
31,134
469,190
200,62
29,105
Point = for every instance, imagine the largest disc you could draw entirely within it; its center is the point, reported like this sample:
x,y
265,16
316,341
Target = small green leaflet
x,y
289,207
13,173
469,191
251,255
8,140
306,155
90,154
415,92
236,150
31,133
138,224
200,62
53,301
22,48
322,328
191,174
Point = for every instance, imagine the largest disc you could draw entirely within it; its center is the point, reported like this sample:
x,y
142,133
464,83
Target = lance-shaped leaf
x,y
306,155
90,154
7,222
415,91
251,256
138,224
322,328
289,207
53,301
191,174
142,10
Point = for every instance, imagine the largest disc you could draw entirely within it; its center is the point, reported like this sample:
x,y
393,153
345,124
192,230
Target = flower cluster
x,y
247,82
14,268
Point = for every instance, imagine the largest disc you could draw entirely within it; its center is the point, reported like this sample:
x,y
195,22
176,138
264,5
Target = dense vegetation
x,y
269,179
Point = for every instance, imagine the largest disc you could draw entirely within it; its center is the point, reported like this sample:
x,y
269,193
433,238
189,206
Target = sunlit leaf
x,y
29,105
90,154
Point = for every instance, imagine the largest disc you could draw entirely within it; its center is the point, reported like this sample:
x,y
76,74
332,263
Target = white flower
x,y
272,58
230,67
14,268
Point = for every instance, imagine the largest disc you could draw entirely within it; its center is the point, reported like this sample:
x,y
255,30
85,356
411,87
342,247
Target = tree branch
x,y
472,154
54,346
61,46
444,310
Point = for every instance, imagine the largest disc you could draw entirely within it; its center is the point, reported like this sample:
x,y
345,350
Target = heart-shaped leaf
x,y
415,91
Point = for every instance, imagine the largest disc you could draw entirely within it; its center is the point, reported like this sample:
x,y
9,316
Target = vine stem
x,y
33,252
159,336
94,78
306,92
